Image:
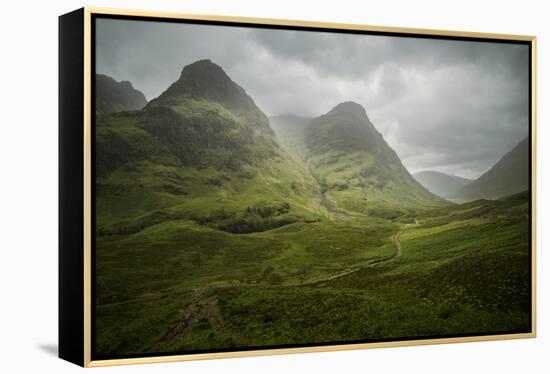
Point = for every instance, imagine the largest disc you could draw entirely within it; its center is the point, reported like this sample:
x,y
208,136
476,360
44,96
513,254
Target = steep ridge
x,y
508,176
357,169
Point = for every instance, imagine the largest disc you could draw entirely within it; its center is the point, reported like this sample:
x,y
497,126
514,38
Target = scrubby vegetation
x,y
465,275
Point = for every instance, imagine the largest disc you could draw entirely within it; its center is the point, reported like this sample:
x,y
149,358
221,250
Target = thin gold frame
x,y
89,11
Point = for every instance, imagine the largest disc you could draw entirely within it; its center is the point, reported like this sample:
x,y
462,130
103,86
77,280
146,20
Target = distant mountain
x,y
508,176
290,131
441,184
112,96
357,169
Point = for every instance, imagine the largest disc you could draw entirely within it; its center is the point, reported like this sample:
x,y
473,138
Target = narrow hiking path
x,y
397,243
321,280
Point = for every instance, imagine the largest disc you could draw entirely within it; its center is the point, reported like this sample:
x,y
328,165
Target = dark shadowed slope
x,y
112,96
441,184
508,176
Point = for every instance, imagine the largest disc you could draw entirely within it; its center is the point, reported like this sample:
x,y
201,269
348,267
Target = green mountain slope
x,y
441,184
112,96
357,169
508,176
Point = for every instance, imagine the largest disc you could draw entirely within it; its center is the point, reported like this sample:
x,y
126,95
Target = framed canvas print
x,y
235,186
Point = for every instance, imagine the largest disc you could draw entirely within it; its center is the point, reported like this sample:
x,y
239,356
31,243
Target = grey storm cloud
x,y
447,105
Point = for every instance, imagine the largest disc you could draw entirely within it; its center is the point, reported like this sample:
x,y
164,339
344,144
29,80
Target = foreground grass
x,y
179,286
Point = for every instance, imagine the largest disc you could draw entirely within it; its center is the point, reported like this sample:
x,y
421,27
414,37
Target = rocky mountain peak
x,y
204,79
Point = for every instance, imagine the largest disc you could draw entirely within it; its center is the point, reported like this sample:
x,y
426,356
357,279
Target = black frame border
x,y
71,186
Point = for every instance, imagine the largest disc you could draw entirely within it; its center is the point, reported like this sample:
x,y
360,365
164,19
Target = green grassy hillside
x,y
181,286
141,183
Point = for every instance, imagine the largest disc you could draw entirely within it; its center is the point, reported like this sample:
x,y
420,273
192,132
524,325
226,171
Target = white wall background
x,y
28,184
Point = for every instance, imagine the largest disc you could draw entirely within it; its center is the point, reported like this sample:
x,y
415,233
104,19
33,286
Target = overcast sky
x,y
450,106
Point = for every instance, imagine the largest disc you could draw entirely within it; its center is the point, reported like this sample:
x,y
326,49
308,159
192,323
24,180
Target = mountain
x,y
441,184
202,152
357,169
112,96
207,120
508,176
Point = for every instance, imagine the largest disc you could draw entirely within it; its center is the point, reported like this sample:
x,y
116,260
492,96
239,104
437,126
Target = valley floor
x,y
178,286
